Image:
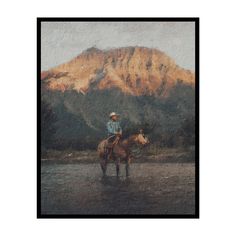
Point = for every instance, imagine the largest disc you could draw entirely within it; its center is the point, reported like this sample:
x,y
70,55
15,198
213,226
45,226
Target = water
x,y
152,188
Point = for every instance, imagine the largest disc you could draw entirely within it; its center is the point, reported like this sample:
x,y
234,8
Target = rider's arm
x,y
110,128
120,129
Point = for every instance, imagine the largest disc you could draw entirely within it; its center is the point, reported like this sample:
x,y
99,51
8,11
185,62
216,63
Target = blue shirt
x,y
113,127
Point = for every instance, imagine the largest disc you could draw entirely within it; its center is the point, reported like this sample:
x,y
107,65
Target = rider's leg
x,y
109,148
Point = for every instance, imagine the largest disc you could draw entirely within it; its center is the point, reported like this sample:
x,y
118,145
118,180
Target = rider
x,y
114,131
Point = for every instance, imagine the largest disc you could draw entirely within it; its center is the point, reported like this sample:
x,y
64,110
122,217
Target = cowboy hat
x,y
113,114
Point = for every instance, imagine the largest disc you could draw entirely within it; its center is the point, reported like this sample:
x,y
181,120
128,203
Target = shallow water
x,y
152,188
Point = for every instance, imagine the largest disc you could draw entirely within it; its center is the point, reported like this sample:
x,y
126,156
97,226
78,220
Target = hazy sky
x,y
62,41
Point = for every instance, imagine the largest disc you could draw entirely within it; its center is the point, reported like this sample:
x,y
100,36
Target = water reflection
x,y
80,189
115,181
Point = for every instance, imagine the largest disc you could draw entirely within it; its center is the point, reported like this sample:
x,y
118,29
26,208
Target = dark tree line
x,y
48,124
71,120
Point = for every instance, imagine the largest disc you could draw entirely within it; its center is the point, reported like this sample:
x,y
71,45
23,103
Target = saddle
x,y
111,142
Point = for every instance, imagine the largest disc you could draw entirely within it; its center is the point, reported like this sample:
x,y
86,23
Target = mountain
x,y
144,85
133,70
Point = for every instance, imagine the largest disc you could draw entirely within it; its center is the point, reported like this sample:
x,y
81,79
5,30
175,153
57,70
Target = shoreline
x,y
174,155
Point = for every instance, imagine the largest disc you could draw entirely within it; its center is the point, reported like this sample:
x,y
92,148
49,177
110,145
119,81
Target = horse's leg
x,y
104,166
117,166
127,167
103,163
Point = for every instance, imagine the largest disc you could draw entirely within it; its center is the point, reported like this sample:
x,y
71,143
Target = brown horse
x,y
121,151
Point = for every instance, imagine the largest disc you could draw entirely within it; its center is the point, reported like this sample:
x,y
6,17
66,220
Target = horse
x,y
120,151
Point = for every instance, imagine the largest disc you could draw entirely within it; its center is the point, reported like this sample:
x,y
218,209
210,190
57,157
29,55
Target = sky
x,y
62,41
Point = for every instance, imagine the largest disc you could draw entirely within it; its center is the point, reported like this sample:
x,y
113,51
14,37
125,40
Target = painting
x,y
118,117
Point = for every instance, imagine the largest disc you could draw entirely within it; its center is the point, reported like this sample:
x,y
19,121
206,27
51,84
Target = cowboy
x,y
113,125
114,131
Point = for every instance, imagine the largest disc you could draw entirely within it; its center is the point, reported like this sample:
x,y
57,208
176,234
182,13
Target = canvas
x,y
118,102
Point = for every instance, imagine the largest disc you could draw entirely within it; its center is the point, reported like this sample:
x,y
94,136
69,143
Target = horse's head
x,y
141,138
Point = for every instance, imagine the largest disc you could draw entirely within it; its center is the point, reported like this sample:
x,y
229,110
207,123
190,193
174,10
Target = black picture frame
x,y
196,20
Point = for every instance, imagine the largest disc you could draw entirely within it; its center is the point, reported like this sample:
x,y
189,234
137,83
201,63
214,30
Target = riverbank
x,y
162,155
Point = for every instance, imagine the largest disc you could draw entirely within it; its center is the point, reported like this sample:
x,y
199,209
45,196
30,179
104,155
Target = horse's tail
x,y
102,147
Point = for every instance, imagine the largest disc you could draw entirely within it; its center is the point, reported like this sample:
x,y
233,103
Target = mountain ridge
x,y
134,70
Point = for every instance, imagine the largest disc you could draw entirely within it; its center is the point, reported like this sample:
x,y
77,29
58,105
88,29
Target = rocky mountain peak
x,y
134,70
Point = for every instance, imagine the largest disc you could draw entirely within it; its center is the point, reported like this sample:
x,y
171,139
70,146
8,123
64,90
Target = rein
x,y
132,147
110,137
127,143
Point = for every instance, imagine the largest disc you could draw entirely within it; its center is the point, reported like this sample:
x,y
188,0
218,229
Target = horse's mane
x,y
128,139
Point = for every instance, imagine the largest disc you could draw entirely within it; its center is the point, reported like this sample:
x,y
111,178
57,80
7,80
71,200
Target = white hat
x,y
113,114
